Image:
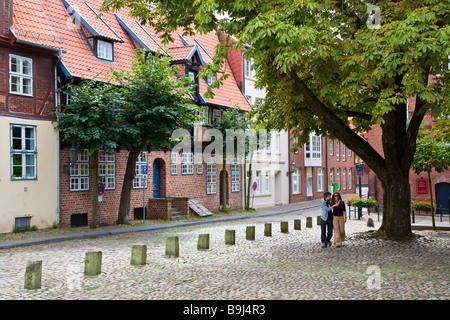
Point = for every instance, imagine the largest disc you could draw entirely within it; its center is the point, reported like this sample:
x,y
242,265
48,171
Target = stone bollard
x,y
309,222
318,220
250,233
370,223
33,275
297,224
268,229
230,237
93,263
203,242
173,247
139,254
284,227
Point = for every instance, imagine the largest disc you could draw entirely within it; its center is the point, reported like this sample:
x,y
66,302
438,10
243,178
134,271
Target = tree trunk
x,y
95,191
125,196
396,206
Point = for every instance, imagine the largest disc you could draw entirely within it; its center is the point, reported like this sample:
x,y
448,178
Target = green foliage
x,y
431,154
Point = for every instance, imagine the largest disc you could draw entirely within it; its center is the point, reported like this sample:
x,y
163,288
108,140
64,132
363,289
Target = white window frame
x,y
199,163
235,176
204,115
338,178
211,80
23,152
343,152
140,179
187,163
296,181
349,152
337,150
79,171
20,75
331,176
105,50
107,170
267,182
349,178
247,68
331,147
344,179
295,143
211,175
277,143
309,182
320,179
173,163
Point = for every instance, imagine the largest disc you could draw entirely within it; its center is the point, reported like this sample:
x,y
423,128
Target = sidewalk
x,y
101,233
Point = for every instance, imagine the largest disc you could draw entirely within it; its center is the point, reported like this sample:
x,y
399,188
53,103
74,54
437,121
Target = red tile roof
x,y
48,22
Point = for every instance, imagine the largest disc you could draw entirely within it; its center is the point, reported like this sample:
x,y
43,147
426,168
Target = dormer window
x,y
210,80
104,50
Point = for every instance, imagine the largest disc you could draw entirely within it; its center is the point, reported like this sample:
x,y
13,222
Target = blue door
x,y
442,197
156,184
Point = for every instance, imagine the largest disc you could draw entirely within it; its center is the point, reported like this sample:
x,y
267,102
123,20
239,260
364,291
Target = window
x,y
105,50
258,181
191,76
331,147
296,181
319,179
211,175
187,163
349,152
140,179
199,163
349,178
267,182
20,75
247,66
338,178
343,152
23,152
316,147
295,145
309,182
204,115
79,171
337,150
249,98
344,179
235,181
107,170
313,151
277,143
173,163
217,115
210,80
331,175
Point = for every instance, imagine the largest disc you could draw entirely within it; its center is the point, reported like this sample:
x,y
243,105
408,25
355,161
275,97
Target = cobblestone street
x,y
284,266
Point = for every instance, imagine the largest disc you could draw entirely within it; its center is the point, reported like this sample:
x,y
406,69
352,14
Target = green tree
x,y
155,104
322,62
232,125
431,154
89,121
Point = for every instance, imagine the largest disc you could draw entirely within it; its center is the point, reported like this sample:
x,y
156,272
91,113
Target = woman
x,y
339,219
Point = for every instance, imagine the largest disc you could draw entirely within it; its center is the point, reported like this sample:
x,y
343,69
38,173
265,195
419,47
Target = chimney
x,y
6,17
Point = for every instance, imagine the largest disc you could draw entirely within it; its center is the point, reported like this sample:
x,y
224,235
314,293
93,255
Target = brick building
x,y
28,139
418,183
317,165
91,46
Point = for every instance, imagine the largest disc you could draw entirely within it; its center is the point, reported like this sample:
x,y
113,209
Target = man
x,y
326,220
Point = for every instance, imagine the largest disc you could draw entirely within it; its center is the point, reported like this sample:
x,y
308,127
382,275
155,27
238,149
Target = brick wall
x,y
191,186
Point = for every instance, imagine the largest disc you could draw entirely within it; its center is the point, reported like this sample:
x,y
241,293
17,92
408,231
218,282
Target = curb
x,y
103,233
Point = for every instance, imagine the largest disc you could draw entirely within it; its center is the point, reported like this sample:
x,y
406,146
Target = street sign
x,y
255,185
366,169
101,188
360,170
145,169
